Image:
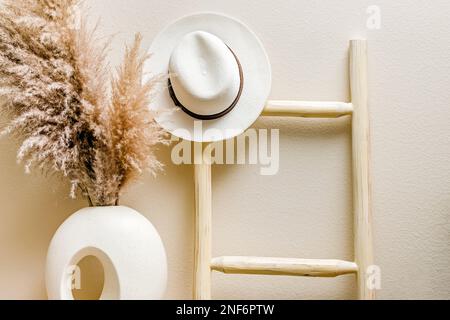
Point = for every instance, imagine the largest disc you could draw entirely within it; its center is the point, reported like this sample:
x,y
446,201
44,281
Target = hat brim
x,y
256,70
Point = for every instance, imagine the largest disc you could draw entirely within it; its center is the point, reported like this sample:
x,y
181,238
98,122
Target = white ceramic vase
x,y
125,242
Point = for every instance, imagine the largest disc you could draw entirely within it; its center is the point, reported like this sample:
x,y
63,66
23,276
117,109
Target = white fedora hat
x,y
219,77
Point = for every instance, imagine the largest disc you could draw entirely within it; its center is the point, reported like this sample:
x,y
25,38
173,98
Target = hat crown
x,y
204,73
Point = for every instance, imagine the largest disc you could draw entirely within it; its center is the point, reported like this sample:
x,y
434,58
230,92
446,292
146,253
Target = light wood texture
x,y
358,108
203,213
307,109
283,266
361,167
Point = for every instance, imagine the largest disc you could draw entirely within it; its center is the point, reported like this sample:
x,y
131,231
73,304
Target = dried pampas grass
x,y
54,87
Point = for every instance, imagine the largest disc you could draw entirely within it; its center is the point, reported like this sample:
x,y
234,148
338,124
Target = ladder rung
x,y
307,109
283,266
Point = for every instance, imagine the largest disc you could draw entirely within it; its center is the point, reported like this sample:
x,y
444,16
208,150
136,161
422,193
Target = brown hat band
x,y
212,116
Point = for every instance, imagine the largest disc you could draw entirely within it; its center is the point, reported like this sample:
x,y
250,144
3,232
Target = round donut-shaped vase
x,y
125,242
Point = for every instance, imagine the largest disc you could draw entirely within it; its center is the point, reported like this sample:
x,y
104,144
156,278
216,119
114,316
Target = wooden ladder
x,y
204,264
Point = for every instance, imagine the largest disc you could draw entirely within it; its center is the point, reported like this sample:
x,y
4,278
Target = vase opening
x,y
91,275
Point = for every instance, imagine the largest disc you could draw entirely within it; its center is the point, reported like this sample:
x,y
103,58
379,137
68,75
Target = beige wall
x,y
305,210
